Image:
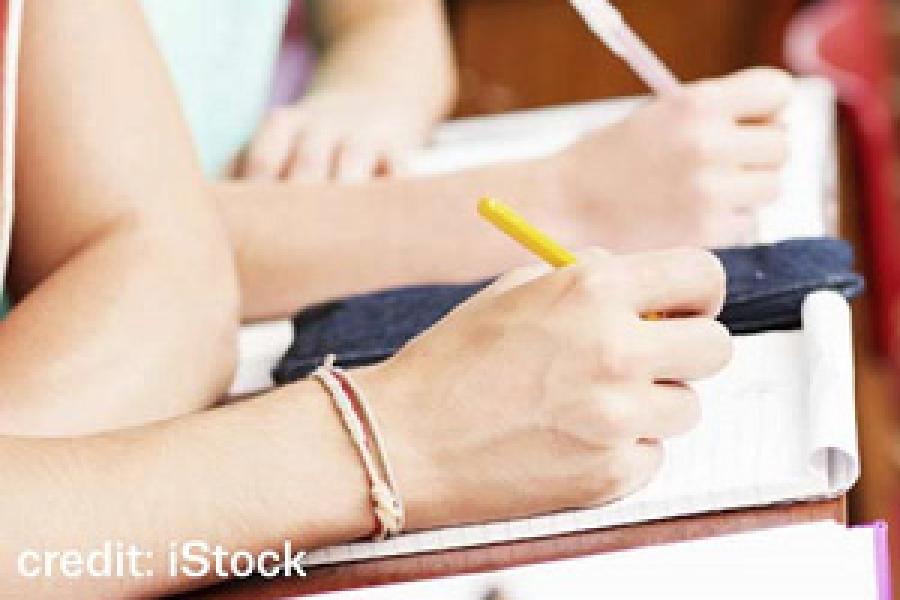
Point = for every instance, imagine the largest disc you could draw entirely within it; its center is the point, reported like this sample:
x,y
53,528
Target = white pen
x,y
608,24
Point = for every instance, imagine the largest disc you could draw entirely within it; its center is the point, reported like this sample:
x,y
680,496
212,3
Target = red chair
x,y
842,41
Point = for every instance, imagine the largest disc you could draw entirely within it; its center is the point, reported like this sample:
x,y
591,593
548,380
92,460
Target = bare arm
x,y
391,48
206,477
119,259
297,245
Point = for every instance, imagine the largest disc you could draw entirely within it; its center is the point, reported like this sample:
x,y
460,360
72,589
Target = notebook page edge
x,y
827,331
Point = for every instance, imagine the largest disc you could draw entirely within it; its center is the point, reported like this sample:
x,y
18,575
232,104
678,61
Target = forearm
x,y
293,476
390,49
121,266
300,244
131,324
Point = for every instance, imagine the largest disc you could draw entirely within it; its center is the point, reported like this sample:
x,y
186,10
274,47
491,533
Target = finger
x,y
632,467
270,151
757,93
645,411
355,162
313,158
682,281
757,147
394,163
682,349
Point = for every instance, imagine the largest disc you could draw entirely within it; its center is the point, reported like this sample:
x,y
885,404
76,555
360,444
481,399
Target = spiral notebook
x,y
778,425
814,561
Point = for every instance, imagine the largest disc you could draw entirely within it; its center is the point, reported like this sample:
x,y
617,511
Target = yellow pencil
x,y
515,226
512,224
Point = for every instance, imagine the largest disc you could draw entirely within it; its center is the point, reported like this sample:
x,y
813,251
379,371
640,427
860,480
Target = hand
x,y
550,392
691,168
348,137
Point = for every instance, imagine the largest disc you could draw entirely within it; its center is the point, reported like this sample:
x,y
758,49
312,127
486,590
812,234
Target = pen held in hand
x,y
606,22
530,237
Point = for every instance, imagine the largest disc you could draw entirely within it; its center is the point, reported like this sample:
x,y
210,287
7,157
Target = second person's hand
x,y
346,137
690,168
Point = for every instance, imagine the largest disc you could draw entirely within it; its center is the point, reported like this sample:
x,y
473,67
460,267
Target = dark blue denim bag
x,y
766,288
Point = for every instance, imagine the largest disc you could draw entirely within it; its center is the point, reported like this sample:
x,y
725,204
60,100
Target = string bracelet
x,y
353,407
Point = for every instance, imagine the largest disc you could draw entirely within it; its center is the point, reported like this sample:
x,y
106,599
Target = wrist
x,y
418,480
346,510
579,186
558,203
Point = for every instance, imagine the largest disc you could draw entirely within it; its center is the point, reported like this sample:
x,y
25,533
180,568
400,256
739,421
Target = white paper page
x,y
752,447
820,560
260,347
832,428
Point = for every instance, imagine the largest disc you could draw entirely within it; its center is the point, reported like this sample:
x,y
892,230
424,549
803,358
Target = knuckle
x,y
587,281
612,415
700,100
582,283
617,359
701,145
281,117
702,189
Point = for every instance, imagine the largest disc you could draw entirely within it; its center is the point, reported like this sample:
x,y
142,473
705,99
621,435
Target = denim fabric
x,y
766,287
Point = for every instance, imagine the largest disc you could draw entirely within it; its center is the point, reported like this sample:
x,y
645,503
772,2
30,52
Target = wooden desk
x,y
490,558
